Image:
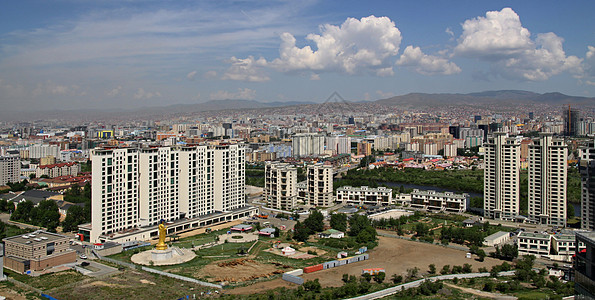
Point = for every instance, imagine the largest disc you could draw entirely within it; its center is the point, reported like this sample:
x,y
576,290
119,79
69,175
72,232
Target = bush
x,y
445,270
397,278
489,286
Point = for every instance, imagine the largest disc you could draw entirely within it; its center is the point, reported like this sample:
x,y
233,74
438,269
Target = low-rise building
x,y
332,233
432,200
365,195
56,170
560,247
37,251
584,266
497,238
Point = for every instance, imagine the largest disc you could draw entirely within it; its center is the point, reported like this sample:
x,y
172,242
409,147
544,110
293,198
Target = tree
x,y
315,222
467,268
74,217
421,229
4,206
300,232
23,212
432,269
339,222
481,254
312,285
397,278
445,270
46,214
367,277
412,273
509,252
380,277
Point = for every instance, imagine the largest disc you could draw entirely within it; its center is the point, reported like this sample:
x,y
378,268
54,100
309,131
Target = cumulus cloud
x,y
500,39
589,64
191,75
384,95
357,46
115,91
54,89
314,77
426,64
142,94
210,75
244,94
246,69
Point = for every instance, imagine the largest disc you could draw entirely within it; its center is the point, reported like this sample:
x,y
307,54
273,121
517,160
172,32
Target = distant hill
x,y
487,97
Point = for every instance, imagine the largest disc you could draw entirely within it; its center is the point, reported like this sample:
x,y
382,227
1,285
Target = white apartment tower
x,y
139,187
320,185
547,180
280,185
501,177
158,196
10,167
339,144
307,144
229,177
114,191
587,170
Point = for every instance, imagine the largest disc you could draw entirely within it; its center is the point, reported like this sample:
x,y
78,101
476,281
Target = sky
x,y
70,54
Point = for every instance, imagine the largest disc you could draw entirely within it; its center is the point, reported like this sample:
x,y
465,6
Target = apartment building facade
x,y
501,177
547,180
365,195
437,201
280,185
10,168
587,171
320,185
138,187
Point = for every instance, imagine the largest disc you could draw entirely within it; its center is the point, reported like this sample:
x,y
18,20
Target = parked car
x,y
82,256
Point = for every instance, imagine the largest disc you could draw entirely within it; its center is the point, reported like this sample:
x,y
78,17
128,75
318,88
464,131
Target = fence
x,y
24,285
117,262
179,277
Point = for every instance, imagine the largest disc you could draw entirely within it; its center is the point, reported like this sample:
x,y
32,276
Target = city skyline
x,y
67,55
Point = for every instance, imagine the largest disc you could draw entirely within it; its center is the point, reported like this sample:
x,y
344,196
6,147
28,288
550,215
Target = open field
x,y
395,255
128,285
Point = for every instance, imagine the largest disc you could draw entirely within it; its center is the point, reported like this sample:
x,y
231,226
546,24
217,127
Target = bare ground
x,y
394,255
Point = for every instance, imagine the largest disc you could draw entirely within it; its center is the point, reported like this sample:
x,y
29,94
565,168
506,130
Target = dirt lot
x,y
239,270
394,255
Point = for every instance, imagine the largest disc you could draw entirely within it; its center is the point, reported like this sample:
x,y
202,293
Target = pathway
x,y
481,293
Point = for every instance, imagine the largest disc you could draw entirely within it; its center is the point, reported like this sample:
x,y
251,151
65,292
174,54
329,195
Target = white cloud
x,y
243,94
357,46
500,39
589,63
384,95
142,94
246,69
49,88
115,91
210,75
191,75
426,64
314,77
449,32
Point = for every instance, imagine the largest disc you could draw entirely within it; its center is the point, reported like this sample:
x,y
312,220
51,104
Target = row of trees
x,y
45,214
360,227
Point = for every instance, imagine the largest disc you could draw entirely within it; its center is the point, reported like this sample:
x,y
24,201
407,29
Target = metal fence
x,y
179,277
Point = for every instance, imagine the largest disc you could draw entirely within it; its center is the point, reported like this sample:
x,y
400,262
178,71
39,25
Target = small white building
x,y
497,238
332,233
558,247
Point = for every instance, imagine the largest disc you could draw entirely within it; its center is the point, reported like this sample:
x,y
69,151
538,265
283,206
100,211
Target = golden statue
x,y
162,230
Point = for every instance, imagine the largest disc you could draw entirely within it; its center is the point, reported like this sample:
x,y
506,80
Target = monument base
x,y
160,255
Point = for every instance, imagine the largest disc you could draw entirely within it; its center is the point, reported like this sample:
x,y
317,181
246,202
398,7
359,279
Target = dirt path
x,y
481,293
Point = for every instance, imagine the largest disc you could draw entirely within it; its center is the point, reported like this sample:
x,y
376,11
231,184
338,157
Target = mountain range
x,y
412,100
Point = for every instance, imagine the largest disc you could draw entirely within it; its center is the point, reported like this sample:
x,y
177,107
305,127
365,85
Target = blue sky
x,y
126,54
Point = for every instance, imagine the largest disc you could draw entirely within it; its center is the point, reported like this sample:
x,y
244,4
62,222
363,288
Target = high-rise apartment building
x,y
547,180
43,150
10,167
138,187
501,177
339,144
320,185
587,170
307,144
280,185
571,120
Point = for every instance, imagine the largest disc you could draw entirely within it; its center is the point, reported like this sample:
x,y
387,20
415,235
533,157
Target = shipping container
x,y
293,279
330,264
373,271
314,268
296,272
363,249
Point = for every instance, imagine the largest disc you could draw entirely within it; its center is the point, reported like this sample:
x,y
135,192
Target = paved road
x,y
398,288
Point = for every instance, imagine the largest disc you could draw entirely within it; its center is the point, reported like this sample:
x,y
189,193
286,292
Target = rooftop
x,y
38,236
